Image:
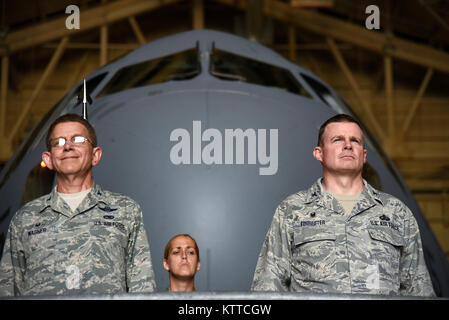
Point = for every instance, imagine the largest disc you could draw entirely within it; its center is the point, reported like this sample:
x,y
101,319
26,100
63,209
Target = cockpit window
x,y
324,94
229,66
179,66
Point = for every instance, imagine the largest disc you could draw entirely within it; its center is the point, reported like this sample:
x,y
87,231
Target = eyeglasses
x,y
75,141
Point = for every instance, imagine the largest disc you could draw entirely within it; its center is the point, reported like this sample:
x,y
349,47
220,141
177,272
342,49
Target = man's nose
x,y
348,144
68,145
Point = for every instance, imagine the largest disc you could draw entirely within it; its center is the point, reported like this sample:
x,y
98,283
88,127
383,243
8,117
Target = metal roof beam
x,y
377,41
90,18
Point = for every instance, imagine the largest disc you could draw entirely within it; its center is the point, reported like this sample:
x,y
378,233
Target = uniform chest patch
x,y
312,223
36,231
39,229
107,209
384,221
107,222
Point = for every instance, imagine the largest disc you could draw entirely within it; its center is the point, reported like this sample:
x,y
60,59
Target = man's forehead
x,y
69,127
343,128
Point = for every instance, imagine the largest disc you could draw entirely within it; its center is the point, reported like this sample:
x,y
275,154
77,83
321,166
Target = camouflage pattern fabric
x,y
100,248
312,245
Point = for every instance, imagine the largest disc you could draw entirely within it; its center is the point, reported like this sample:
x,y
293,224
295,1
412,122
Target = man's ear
x,y
165,263
96,155
46,157
318,153
198,267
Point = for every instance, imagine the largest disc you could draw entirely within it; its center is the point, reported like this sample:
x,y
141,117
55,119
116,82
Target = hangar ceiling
x,y
394,78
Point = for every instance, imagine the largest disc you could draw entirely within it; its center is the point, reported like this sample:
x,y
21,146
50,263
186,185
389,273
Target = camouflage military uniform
x,y
312,245
100,248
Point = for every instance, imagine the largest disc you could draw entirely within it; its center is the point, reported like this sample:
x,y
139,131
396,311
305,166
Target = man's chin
x,y
68,171
184,276
350,169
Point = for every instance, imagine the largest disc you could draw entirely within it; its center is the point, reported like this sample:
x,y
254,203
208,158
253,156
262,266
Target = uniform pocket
x,y
387,235
386,247
314,253
110,245
40,256
306,235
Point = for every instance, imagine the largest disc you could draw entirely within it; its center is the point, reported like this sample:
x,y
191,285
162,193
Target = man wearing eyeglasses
x,y
79,239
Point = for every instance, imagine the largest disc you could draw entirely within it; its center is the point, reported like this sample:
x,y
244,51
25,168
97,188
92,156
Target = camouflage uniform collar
x,y
318,194
51,199
96,196
99,197
372,193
